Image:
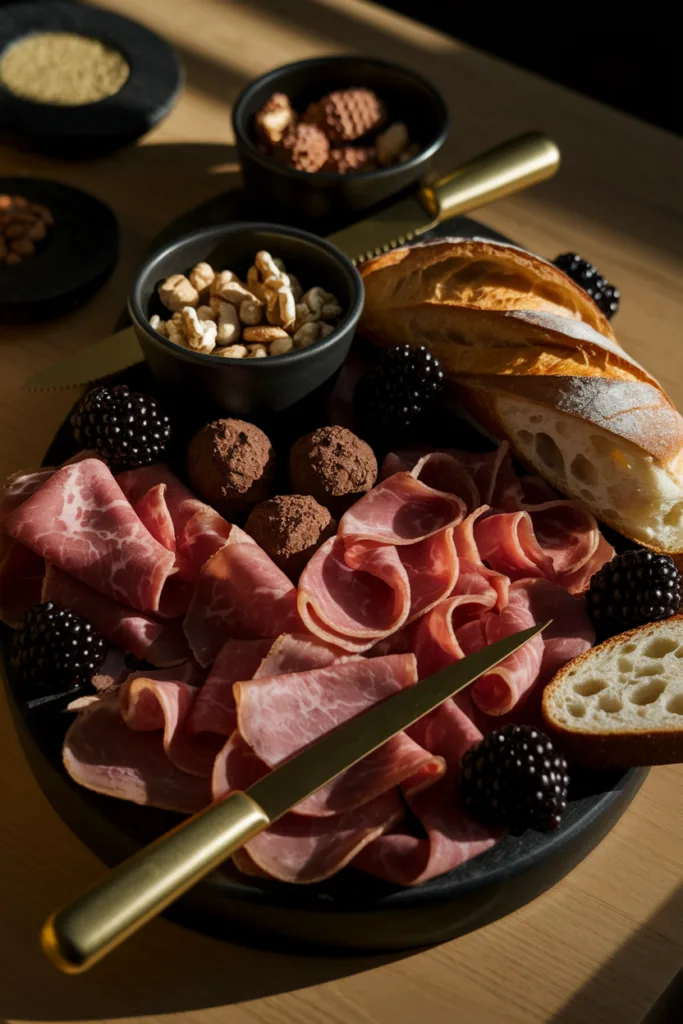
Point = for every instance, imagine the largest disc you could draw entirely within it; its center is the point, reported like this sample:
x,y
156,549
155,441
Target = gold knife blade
x,y
141,887
100,359
508,168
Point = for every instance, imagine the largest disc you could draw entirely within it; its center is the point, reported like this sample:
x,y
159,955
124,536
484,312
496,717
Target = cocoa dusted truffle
x,y
334,466
290,528
231,464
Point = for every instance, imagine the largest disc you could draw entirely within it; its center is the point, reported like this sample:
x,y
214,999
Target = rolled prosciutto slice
x,y
452,836
354,596
175,516
303,850
240,594
570,632
103,754
161,644
160,701
401,510
215,710
81,521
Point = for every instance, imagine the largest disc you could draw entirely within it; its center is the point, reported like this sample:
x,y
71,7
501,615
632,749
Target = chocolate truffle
x,y
333,465
231,464
290,528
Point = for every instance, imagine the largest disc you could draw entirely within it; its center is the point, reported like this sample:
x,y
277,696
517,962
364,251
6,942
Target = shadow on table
x,y
647,959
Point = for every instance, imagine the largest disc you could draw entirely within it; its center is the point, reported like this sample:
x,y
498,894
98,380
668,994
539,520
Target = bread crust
x,y
612,750
482,274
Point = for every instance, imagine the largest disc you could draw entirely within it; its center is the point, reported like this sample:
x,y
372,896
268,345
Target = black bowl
x,y
324,197
251,388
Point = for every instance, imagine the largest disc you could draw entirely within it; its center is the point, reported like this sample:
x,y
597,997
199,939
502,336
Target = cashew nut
x,y
228,324
201,277
176,292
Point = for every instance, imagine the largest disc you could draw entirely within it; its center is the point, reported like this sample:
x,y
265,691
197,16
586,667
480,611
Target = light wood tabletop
x,y
606,941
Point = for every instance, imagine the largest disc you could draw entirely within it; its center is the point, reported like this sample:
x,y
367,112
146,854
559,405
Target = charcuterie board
x,y
351,911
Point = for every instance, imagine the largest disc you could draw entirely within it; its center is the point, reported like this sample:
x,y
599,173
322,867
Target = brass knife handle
x,y
141,887
500,172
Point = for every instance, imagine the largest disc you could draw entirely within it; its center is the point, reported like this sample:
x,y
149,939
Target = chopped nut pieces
x,y
334,134
215,312
22,226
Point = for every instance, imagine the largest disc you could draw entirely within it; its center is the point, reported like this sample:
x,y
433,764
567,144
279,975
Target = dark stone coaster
x,y
148,94
70,264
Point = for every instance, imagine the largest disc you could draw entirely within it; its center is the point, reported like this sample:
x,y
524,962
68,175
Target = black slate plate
x,y
147,95
70,265
351,911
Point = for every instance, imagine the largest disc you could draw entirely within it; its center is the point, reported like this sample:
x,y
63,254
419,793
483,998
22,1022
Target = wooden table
x,y
600,946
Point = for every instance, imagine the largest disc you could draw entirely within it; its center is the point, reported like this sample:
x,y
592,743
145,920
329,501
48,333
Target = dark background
x,y
633,62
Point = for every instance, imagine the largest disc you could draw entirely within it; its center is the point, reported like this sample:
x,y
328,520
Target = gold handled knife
x,y
500,172
142,886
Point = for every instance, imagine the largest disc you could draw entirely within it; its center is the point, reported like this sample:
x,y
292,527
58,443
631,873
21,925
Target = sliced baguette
x,y
621,703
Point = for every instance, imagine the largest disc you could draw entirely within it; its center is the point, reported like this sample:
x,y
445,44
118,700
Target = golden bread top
x,y
479,274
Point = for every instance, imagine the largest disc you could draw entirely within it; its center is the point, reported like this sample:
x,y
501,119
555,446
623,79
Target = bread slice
x,y
621,703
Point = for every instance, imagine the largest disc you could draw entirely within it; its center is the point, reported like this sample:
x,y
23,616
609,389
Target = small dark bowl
x,y
250,388
324,197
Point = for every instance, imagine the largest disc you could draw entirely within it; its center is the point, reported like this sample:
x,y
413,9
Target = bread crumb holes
x,y
659,647
648,693
589,687
610,703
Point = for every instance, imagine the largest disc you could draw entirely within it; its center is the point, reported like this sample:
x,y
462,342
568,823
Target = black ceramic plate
x,y
351,911
70,265
147,95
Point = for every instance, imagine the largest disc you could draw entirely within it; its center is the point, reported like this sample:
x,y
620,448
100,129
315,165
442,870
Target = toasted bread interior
x,y
629,686
621,484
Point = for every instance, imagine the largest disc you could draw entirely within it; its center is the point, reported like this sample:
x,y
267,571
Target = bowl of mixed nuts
x,y
247,318
327,138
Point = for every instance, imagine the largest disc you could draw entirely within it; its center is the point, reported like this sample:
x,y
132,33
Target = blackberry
x,y
636,587
513,777
394,399
128,429
604,294
55,649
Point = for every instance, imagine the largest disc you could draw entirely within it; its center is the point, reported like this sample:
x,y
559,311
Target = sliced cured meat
x,y
296,652
81,521
161,700
577,581
443,472
453,839
354,596
152,508
452,836
175,598
303,849
161,644
493,475
214,709
281,715
400,510
569,634
507,543
21,582
502,689
432,569
20,486
566,532
199,531
242,594
399,761
467,550
435,640
101,753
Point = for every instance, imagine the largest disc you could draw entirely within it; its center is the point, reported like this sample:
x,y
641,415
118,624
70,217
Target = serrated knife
x,y
500,172
142,886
